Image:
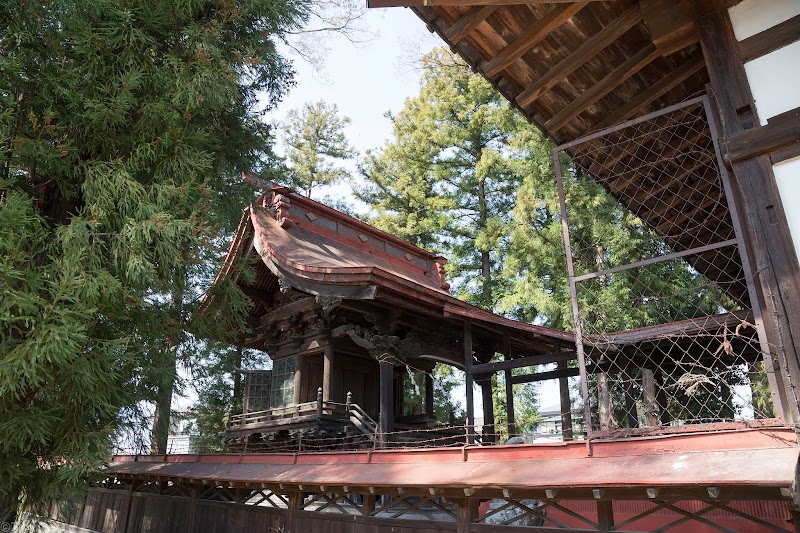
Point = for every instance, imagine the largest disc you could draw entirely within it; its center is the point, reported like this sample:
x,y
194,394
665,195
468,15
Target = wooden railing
x,y
313,412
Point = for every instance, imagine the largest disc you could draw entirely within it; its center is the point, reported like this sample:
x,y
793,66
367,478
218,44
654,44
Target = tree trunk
x,y
9,505
166,384
237,402
486,265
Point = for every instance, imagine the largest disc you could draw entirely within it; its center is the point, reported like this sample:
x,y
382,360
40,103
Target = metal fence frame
x,y
739,241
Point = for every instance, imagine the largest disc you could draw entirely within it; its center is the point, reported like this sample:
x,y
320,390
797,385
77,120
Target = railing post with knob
x,y
319,402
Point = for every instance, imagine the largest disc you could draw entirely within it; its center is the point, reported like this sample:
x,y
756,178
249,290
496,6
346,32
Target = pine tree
x,y
316,146
122,124
447,179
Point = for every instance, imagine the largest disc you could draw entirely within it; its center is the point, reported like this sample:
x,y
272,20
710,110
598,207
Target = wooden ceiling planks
x,y
557,56
528,39
580,56
467,24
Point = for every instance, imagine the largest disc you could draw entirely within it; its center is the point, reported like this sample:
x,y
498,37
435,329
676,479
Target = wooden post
x,y
567,432
386,418
469,381
327,372
488,431
631,416
772,261
466,512
661,397
295,504
651,410
298,379
193,512
605,515
429,395
130,504
368,506
605,410
512,426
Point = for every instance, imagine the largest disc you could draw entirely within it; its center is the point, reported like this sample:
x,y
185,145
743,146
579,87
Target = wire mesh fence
x,y
669,331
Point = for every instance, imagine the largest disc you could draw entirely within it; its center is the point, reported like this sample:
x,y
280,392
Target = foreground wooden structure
x,y
696,482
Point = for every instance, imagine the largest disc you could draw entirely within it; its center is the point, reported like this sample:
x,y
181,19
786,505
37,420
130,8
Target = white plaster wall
x,y
787,176
754,16
774,78
775,83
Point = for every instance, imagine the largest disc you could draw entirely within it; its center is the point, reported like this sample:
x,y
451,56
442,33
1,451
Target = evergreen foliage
x,y
123,125
316,146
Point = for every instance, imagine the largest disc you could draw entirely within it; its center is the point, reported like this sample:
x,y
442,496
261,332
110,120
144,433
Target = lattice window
x,y
257,391
282,392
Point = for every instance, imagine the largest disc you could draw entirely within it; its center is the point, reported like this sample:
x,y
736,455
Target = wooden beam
x,y
288,310
469,381
565,404
614,79
466,24
488,368
774,264
512,428
654,92
668,22
581,55
542,376
780,132
541,29
432,3
769,40
327,372
386,414
488,431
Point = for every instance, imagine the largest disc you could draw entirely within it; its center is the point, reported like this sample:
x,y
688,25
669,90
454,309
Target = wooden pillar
x,y
298,378
466,512
566,404
512,426
605,515
327,372
429,411
295,504
774,267
124,528
651,410
661,398
631,417
368,506
605,410
488,409
386,418
469,380
399,393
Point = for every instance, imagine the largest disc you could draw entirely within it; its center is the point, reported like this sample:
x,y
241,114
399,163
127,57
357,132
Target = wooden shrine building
x,y
352,319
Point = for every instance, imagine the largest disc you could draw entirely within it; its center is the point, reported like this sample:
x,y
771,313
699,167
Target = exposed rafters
x,y
579,57
614,79
541,29
655,91
468,22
